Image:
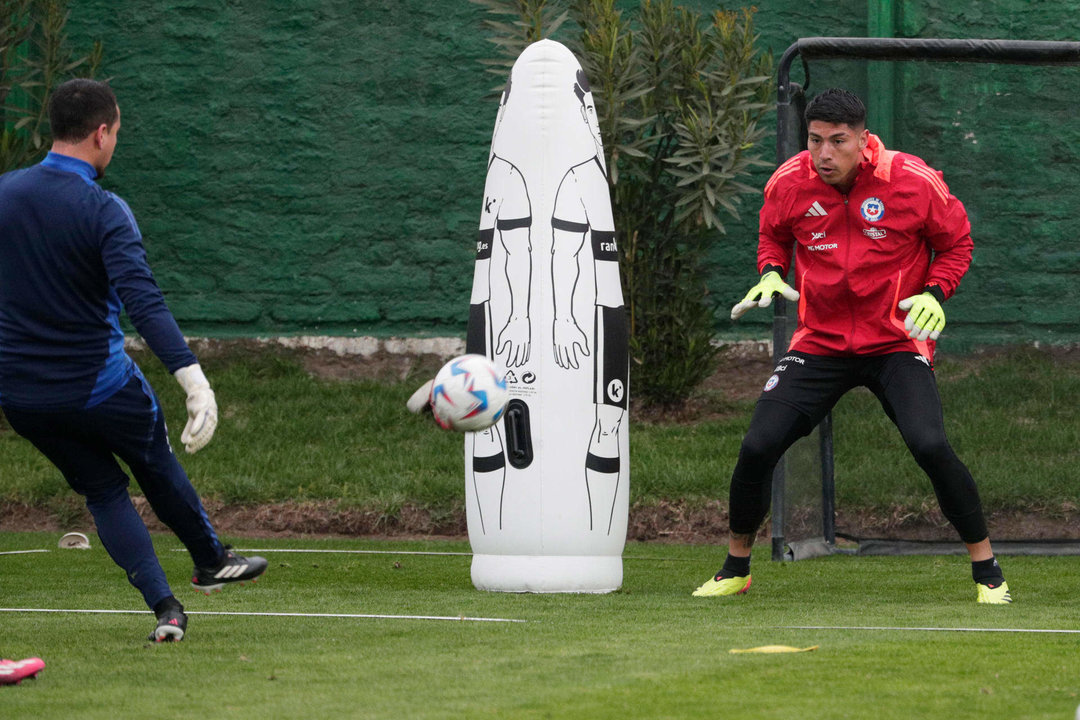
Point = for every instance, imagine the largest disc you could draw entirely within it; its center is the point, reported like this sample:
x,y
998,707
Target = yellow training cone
x,y
774,649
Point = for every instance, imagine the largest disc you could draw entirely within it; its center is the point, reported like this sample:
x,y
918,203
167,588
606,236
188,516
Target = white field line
x,y
343,552
21,552
460,618
463,618
399,552
929,629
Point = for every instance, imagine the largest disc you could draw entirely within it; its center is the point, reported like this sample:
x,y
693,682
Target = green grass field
x,y
285,435
647,651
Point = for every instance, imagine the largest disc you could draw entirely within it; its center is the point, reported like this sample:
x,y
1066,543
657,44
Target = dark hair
x,y
78,107
581,86
837,106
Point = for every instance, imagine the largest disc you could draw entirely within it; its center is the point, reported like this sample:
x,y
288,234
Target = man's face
x,y
588,114
836,150
503,99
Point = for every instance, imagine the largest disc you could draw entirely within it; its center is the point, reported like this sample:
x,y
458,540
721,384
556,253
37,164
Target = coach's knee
x,y
100,496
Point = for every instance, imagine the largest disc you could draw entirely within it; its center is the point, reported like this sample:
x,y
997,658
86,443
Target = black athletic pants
x,y
803,388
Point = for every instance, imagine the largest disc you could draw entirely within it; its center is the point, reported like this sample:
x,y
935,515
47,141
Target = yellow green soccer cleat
x,y
721,585
993,594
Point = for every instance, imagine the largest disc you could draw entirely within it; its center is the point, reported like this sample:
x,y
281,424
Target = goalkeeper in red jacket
x,y
879,243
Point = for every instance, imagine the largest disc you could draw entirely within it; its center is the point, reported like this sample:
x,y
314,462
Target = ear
x,y
100,134
864,138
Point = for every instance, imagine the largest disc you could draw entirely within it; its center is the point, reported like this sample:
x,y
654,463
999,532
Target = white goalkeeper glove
x,y
201,408
761,295
421,399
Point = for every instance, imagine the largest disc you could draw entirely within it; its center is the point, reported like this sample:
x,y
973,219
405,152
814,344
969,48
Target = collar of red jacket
x,y
875,155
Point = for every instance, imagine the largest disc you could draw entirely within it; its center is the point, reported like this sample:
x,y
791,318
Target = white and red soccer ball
x,y
469,394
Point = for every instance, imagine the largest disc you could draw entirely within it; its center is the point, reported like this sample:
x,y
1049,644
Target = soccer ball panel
x,y
469,394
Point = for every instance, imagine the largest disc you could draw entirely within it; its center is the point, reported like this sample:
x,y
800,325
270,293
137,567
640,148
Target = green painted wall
x,y
316,166
1008,140
301,167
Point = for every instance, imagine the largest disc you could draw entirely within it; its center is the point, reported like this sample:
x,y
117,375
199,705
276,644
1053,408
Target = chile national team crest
x,y
872,209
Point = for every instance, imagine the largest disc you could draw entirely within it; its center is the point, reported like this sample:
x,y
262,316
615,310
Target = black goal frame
x,y
790,140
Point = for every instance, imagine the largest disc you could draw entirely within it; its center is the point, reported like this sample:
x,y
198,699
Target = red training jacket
x,y
898,230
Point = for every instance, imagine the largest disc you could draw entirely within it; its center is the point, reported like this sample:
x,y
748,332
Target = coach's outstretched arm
x,y
761,295
201,408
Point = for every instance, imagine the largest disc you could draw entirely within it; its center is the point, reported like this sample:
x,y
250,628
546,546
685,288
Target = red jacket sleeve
x,y
948,232
775,240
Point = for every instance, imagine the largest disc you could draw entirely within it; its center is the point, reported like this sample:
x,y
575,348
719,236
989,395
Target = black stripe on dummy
x,y
476,335
616,358
558,224
603,245
489,463
601,464
484,242
513,223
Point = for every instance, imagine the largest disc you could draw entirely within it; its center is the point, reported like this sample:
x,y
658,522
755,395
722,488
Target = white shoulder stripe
x,y
931,177
780,173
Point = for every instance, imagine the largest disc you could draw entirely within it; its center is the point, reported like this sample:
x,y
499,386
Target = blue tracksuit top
x,y
71,256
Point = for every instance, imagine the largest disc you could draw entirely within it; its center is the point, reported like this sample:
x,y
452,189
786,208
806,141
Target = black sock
x,y
166,604
987,572
736,566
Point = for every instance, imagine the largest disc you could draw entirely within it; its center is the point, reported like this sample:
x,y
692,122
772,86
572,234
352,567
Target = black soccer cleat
x,y
233,568
171,622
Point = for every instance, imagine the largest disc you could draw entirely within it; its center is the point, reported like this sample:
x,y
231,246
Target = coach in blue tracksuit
x,y
71,256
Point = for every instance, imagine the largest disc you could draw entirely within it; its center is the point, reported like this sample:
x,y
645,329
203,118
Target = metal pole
x,y
780,335
881,75
788,141
828,481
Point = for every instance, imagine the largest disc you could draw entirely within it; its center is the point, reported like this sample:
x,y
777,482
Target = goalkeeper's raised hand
x,y
925,317
761,295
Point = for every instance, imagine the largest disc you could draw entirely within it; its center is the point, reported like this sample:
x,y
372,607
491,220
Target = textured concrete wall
x,y
1007,139
316,166
301,167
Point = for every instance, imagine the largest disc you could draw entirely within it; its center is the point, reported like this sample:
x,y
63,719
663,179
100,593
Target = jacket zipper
x,y
847,270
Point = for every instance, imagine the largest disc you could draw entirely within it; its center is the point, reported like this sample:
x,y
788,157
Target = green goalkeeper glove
x,y
925,317
761,295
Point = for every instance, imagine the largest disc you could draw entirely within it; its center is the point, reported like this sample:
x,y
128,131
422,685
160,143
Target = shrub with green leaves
x,y
680,97
34,59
